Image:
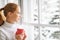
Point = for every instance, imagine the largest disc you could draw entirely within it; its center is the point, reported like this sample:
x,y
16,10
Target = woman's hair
x,y
1,21
10,7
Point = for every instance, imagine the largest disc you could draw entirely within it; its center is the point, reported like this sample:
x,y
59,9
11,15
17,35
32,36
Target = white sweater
x,y
7,31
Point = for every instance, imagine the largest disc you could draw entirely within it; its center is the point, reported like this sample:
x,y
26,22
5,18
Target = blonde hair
x,y
2,15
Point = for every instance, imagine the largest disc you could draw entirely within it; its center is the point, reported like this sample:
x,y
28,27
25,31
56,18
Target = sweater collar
x,y
9,24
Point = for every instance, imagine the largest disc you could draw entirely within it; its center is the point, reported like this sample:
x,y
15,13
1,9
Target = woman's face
x,y
15,16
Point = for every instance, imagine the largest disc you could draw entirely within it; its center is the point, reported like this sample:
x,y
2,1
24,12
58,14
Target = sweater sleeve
x,y
2,36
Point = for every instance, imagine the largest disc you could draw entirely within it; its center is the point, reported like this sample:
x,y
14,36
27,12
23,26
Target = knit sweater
x,y
7,31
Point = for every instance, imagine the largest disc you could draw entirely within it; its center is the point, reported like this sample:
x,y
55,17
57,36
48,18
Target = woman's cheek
x,y
16,18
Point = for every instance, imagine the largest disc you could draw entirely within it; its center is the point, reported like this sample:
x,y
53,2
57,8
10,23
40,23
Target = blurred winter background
x,y
40,18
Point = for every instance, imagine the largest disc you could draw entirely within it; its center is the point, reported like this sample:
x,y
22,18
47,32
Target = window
x,y
44,15
31,17
49,19
49,12
41,18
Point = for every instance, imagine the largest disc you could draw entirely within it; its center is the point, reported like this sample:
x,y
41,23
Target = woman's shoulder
x,y
2,30
2,34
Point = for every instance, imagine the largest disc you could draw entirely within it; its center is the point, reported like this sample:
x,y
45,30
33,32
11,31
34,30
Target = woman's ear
x,y
9,13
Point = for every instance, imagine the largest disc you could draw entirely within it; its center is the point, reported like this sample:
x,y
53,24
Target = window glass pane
x,y
30,11
49,12
49,33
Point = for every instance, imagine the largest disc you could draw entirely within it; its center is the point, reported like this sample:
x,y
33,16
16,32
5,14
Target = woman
x,y
9,28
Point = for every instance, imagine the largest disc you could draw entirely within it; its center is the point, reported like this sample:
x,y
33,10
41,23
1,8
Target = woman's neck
x,y
9,20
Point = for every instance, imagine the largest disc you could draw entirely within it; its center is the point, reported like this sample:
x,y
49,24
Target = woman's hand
x,y
20,34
